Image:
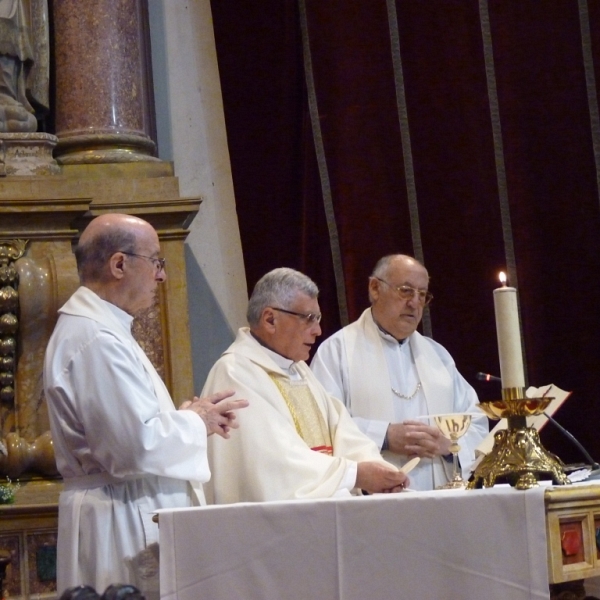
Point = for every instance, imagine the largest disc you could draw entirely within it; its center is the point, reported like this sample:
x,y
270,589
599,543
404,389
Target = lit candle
x,y
509,336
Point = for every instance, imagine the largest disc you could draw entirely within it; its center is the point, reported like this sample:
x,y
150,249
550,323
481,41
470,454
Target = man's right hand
x,y
414,438
216,412
375,477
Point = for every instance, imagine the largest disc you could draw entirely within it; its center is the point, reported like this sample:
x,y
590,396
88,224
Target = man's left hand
x,y
216,411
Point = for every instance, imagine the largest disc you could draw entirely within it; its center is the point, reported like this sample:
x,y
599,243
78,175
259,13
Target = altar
x,y
488,543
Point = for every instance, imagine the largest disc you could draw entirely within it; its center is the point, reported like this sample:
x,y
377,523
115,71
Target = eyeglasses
x,y
310,318
159,262
406,292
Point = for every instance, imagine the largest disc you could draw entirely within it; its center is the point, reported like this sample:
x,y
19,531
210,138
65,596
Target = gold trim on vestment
x,y
308,419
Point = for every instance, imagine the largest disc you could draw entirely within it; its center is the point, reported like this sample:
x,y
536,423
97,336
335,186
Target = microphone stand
x,y
595,466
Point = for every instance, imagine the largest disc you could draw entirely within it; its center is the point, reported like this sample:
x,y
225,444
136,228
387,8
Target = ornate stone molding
x,y
10,251
28,154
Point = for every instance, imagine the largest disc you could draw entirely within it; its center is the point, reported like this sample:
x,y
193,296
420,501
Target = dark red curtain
x,y
499,152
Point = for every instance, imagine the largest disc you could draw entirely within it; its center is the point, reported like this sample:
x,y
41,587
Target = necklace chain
x,y
401,395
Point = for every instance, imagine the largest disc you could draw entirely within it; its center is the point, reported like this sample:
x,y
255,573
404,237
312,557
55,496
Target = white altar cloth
x,y
457,545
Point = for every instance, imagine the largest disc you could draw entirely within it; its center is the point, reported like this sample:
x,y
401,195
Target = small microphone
x,y
487,377
593,464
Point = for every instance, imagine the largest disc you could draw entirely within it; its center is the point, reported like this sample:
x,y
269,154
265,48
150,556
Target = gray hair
x,y
278,288
92,256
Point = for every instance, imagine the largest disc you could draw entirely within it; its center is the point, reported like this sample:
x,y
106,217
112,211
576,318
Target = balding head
x,y
396,314
104,236
392,261
118,259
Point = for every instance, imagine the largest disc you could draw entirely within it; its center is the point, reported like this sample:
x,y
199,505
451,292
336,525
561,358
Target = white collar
x,y
287,365
124,317
388,337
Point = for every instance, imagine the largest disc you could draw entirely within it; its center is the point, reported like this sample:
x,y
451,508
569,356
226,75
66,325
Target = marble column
x,y
104,102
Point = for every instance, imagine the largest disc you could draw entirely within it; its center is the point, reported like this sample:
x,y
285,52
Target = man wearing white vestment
x,y
120,445
392,379
295,441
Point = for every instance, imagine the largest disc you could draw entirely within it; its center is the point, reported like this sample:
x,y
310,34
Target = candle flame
x,y
502,277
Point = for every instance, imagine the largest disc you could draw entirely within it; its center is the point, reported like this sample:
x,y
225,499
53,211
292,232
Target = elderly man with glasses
x,y
391,378
121,446
295,441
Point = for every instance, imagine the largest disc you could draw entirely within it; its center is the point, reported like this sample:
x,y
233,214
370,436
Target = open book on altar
x,y
538,421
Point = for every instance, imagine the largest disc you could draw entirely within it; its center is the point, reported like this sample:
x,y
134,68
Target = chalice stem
x,y
457,476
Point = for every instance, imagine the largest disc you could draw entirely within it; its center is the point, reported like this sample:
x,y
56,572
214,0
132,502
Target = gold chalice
x,y
453,427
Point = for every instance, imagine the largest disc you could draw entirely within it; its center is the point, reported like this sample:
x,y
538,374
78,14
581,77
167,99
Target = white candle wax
x,y
509,337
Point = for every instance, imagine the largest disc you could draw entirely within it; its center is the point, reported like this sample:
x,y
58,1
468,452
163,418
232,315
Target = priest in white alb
x,y
121,447
295,441
392,379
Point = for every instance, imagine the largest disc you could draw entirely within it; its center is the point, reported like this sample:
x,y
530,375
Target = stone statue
x,y
24,64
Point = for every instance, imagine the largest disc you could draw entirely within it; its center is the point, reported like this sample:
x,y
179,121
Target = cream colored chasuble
x,y
308,419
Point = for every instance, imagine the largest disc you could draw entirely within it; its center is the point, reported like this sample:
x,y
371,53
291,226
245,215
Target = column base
x,y
97,148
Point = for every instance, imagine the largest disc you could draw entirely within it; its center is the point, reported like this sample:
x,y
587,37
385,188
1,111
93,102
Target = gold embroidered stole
x,y
307,417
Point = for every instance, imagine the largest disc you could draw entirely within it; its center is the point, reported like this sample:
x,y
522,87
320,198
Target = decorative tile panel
x,y
41,555
571,541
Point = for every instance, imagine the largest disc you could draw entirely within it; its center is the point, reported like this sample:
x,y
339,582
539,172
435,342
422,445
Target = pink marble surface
x,y
100,71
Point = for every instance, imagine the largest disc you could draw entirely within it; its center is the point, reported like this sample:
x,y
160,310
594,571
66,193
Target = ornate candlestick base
x,y
518,457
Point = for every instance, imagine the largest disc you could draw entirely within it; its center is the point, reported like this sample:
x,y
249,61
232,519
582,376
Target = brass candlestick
x,y
518,457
